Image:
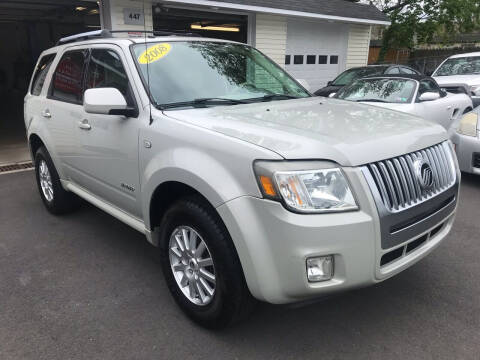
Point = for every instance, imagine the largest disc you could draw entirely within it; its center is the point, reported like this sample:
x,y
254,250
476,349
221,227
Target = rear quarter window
x,y
40,73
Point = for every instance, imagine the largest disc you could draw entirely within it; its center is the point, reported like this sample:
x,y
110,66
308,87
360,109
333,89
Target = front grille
x,y
397,181
404,250
476,160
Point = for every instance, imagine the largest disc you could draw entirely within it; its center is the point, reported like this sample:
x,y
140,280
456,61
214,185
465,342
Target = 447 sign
x,y
133,16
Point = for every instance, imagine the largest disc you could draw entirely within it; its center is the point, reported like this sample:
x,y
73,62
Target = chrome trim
x,y
405,209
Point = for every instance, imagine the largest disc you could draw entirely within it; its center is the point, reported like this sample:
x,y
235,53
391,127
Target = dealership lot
x,y
86,286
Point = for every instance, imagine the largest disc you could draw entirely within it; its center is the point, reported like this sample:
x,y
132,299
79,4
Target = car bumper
x,y
467,148
273,245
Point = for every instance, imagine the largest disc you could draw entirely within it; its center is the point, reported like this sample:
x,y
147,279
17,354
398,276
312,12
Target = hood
x,y
327,90
319,128
458,79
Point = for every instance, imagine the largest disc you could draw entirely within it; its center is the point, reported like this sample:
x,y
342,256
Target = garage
x,y
27,27
316,51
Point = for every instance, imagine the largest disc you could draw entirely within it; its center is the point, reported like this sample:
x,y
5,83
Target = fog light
x,y
320,268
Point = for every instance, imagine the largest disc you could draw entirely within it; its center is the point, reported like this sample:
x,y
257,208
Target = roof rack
x,y
100,34
97,34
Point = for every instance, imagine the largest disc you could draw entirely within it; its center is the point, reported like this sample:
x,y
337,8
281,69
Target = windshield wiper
x,y
202,101
371,100
271,97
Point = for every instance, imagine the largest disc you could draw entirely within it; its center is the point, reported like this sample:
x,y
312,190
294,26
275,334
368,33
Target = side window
x,y
105,69
428,86
393,70
41,73
67,81
405,70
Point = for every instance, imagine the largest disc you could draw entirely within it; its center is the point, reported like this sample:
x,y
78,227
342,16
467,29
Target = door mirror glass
x,y
107,101
429,96
304,83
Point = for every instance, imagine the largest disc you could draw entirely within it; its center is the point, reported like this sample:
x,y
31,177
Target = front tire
x,y
56,199
201,266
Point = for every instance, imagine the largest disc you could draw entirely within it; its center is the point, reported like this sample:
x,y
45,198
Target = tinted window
x,y
348,76
333,59
428,86
298,59
393,70
405,70
311,59
287,59
322,59
106,70
40,73
67,81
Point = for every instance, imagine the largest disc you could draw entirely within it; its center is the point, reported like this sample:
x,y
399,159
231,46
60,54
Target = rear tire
x,y
230,299
56,199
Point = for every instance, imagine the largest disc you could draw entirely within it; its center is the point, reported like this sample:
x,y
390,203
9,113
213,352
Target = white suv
x,y
250,187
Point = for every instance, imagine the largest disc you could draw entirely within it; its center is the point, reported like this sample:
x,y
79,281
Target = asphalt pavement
x,y
86,286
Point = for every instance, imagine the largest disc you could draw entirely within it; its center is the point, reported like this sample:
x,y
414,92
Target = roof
x,y
341,10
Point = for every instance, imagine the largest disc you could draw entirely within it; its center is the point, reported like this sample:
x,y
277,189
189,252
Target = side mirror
x,y
106,101
332,95
429,73
429,96
329,83
304,83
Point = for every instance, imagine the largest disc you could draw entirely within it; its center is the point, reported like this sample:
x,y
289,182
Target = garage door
x,y
316,51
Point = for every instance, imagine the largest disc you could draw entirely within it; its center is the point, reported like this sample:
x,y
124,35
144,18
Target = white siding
x,y
358,45
271,36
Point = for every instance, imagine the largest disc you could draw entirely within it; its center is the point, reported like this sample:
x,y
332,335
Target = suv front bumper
x,y
274,243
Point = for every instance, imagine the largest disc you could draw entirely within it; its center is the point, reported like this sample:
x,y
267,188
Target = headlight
x,y
307,191
469,124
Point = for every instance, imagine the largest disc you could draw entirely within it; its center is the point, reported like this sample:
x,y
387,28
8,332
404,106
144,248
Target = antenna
x,y
148,63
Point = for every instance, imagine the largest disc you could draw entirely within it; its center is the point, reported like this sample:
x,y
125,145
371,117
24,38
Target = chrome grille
x,y
398,183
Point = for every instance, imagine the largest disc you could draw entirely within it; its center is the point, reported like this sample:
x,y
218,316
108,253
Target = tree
x,y
419,21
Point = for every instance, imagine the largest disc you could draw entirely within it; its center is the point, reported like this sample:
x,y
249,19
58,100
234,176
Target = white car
x,y
461,74
414,94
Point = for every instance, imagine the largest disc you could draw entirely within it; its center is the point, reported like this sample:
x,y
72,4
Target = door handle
x,y
46,114
84,125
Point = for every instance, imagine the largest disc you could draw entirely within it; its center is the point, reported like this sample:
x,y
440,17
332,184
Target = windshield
x,y
186,71
349,76
459,66
397,91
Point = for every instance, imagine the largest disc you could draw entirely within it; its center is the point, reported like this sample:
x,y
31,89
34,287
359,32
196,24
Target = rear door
x,y
64,105
106,162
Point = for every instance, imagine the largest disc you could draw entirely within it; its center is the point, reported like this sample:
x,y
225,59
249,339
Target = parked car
x,y
349,76
250,187
465,134
461,74
414,94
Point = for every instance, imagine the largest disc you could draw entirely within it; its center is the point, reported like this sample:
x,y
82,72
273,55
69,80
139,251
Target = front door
x,y
107,155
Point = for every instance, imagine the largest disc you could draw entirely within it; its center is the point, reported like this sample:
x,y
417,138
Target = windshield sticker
x,y
154,53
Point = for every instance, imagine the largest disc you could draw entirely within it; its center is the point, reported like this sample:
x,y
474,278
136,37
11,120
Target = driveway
x,y
86,286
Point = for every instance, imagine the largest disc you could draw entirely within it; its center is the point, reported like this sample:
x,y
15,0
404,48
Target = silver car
x,y
250,187
414,94
465,134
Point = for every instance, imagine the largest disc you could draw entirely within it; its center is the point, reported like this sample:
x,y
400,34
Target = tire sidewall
x,y
207,315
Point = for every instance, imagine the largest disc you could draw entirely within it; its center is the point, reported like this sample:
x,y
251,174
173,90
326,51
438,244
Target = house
x,y
314,40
